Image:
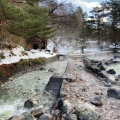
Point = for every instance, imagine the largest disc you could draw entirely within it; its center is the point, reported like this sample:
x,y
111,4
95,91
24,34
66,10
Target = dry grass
x,y
2,55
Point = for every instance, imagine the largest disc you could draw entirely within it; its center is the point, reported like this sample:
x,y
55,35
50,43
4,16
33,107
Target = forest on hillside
x,y
44,19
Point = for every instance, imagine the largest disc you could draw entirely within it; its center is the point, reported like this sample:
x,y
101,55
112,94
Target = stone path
x,y
86,87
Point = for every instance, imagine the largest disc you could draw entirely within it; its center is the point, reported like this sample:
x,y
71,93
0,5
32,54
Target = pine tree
x,y
25,20
113,6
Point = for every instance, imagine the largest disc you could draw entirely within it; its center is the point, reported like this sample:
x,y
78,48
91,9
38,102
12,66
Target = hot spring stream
x,y
15,93
106,56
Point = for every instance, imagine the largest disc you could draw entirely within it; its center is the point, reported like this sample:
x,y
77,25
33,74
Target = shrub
x,y
24,53
9,46
11,52
30,61
6,70
2,55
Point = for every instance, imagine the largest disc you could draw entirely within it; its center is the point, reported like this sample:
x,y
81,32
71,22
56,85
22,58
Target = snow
x,y
14,55
91,50
113,45
92,41
51,46
87,51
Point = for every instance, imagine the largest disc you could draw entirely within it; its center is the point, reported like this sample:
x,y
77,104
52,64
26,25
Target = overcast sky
x,y
86,5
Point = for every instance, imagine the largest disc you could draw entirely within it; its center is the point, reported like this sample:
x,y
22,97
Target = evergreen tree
x,y
113,8
26,20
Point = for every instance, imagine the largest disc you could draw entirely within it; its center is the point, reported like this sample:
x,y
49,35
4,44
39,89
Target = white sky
x,y
86,5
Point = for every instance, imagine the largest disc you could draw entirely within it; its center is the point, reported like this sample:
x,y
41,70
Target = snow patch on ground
x,y
92,41
14,55
87,51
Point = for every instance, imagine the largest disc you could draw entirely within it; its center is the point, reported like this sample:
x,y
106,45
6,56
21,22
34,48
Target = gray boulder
x,y
111,71
96,101
16,118
56,81
86,112
63,93
69,117
111,92
67,106
107,85
55,84
23,116
37,112
86,61
31,103
44,117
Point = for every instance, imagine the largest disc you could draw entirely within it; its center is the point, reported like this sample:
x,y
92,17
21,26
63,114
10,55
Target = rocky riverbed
x,y
95,99
31,85
84,96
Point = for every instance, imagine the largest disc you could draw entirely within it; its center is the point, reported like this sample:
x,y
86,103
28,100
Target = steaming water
x,y
15,93
106,56
116,67
100,56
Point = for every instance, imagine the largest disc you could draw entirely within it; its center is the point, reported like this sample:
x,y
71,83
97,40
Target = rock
x,y
11,78
60,103
119,76
102,68
70,77
111,80
86,112
44,117
73,85
28,104
101,75
83,89
37,112
96,101
48,51
111,92
69,117
99,64
23,116
86,61
28,116
67,106
51,70
31,103
106,63
55,112
16,118
55,84
41,69
63,93
98,93
111,71
88,67
107,85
